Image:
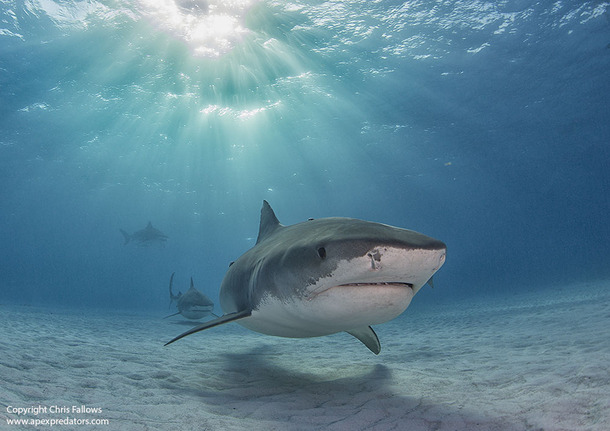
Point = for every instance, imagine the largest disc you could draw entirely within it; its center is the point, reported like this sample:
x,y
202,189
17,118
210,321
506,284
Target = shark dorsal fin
x,y
269,222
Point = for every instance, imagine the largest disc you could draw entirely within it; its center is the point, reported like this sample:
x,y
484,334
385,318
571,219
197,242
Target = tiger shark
x,y
146,236
324,276
193,304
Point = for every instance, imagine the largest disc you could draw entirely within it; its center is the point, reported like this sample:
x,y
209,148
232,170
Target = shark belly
x,y
338,309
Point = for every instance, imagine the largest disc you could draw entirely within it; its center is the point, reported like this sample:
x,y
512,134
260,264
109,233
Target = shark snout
x,y
436,259
386,257
438,256
390,264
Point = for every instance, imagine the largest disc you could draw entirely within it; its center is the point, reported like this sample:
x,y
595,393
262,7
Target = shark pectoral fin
x,y
368,338
226,318
218,317
175,314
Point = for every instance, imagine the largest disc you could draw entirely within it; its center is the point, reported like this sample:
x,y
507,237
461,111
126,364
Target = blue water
x,y
483,124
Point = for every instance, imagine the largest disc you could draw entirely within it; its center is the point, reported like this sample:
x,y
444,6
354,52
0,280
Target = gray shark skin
x,y
193,304
145,237
325,276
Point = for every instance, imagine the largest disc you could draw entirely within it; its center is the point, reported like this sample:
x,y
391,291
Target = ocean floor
x,y
526,362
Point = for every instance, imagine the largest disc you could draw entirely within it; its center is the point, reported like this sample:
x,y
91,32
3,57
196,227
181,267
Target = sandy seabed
x,y
537,361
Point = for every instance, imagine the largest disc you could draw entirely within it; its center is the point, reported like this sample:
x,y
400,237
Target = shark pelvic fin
x,y
269,222
225,318
368,337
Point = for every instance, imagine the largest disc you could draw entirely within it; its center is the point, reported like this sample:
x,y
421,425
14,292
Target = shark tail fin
x,y
368,338
226,318
126,235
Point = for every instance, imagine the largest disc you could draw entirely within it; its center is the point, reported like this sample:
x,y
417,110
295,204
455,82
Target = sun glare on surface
x,y
209,27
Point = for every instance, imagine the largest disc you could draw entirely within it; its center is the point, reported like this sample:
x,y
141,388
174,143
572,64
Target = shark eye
x,y
322,252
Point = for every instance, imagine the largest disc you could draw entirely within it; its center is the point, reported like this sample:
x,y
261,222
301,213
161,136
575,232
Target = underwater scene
x,y
305,215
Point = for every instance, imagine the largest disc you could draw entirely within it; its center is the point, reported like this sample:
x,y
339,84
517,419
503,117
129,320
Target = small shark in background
x,y
193,304
145,237
324,276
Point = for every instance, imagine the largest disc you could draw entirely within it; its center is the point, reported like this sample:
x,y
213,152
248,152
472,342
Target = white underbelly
x,y
341,308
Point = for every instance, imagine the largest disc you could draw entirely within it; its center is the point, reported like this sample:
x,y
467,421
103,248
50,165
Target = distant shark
x,y
145,237
193,304
325,276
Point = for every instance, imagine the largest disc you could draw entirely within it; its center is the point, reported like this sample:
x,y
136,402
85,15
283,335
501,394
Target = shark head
x,y
329,275
194,304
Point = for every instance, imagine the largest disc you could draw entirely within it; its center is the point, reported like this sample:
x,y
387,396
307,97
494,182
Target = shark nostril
x,y
375,256
322,252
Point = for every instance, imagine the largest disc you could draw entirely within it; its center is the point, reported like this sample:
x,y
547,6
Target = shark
x,y
193,304
145,237
324,276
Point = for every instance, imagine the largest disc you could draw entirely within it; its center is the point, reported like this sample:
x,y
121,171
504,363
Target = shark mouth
x,y
381,283
403,285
